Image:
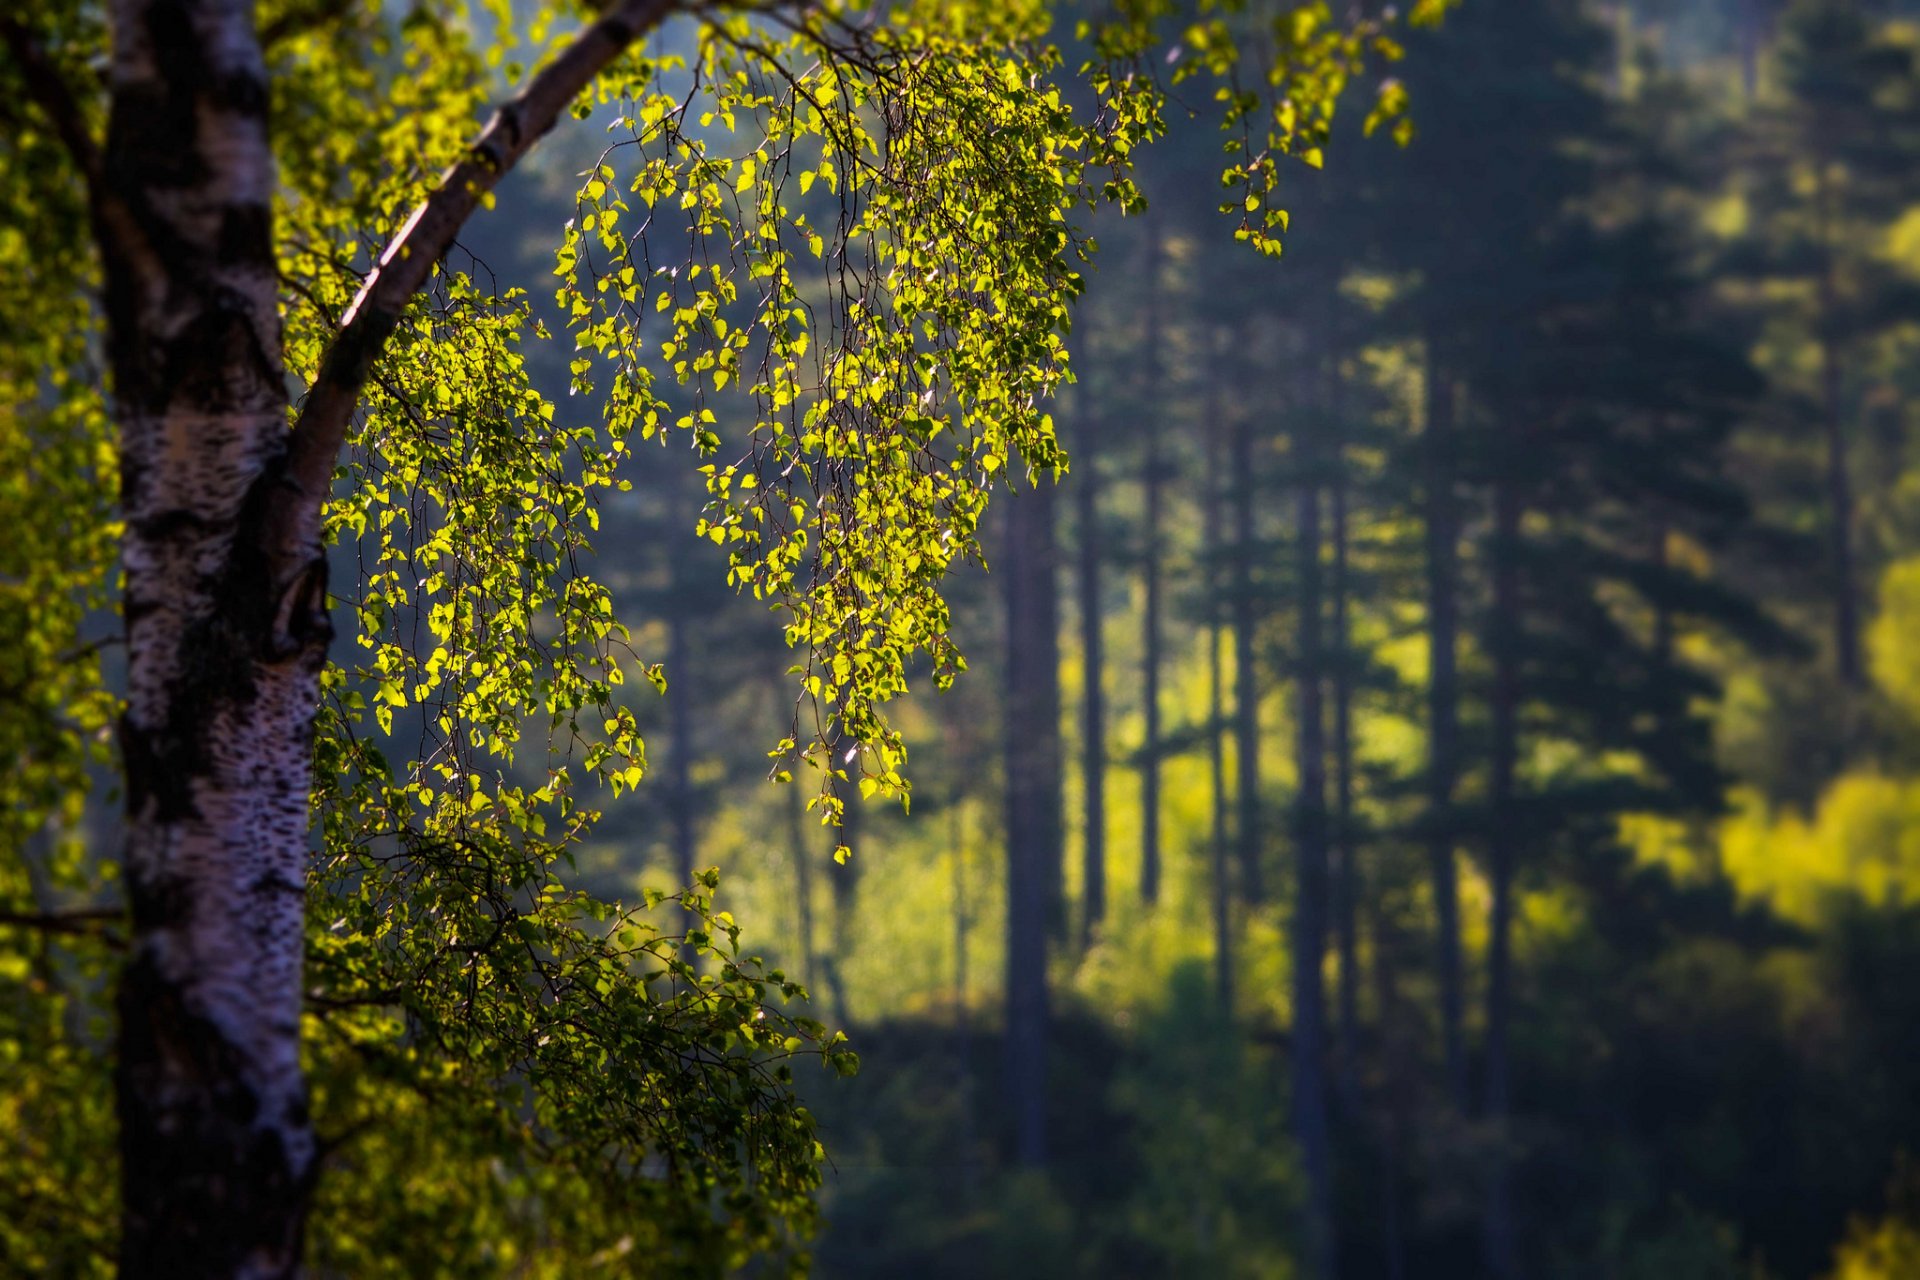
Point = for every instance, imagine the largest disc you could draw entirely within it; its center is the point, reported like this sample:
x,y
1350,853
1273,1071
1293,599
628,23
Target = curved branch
x,y
408,261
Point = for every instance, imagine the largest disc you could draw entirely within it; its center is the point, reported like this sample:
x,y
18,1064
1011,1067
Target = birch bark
x,y
224,646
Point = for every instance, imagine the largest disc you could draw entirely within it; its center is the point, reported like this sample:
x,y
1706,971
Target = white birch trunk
x,y
224,647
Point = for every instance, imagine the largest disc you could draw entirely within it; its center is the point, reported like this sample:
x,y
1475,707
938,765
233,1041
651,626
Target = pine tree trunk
x,y
1846,604
1310,891
1152,480
1750,38
1386,1118
1246,676
1093,743
1032,746
680,727
1443,736
1346,890
1501,1258
226,633
797,840
958,845
845,879
1220,872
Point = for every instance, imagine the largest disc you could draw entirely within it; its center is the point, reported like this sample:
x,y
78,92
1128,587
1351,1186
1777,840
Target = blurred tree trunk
x,y
680,803
1751,36
958,845
1309,930
1093,742
1846,604
1033,771
802,846
1501,1258
1246,676
1346,853
845,879
1385,1111
1152,480
963,766
1222,888
1443,736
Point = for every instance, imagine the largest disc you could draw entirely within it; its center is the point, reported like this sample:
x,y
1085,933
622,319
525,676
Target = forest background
x,y
1497,608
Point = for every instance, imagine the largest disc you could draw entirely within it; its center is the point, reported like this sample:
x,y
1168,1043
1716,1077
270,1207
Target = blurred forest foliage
x,y
1605,386
1456,724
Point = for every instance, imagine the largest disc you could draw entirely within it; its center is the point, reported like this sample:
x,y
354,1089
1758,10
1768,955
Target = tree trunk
x,y
845,878
1346,890
962,1010
1443,736
680,727
1032,746
1846,604
1246,678
1310,893
1663,620
1152,478
1750,38
1386,1112
225,640
1093,743
1222,895
1501,1260
802,846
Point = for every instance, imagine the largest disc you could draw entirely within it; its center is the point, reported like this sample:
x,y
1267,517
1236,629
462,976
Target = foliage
x,y
864,227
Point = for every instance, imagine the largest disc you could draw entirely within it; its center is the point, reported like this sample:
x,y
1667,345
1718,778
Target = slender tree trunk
x,y
1750,38
1246,676
1310,892
962,912
1620,20
1663,623
1846,604
802,846
962,1008
1032,747
1393,1243
1093,742
680,727
1501,1258
225,640
1152,477
845,879
1443,737
1220,870
1346,892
